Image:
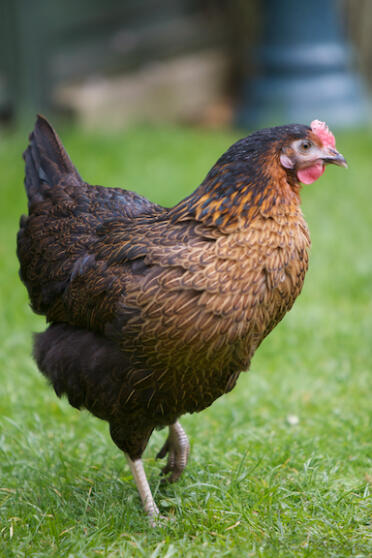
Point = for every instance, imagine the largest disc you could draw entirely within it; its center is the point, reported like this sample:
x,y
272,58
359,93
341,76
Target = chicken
x,y
154,312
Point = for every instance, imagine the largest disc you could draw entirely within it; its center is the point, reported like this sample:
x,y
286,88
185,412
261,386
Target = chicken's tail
x,y
47,162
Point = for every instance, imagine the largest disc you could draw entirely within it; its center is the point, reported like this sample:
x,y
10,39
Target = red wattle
x,y
310,174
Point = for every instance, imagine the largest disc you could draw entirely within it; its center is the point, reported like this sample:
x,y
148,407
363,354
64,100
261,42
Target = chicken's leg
x,y
178,447
144,490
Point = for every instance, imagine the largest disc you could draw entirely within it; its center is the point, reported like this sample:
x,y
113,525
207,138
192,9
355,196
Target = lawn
x,y
280,467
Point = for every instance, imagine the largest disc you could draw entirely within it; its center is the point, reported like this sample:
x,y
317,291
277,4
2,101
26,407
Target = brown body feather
x,y
155,312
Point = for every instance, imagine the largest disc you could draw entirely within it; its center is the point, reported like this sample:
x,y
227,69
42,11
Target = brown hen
x,y
154,312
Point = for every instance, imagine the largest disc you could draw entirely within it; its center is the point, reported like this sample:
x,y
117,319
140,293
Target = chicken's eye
x,y
305,145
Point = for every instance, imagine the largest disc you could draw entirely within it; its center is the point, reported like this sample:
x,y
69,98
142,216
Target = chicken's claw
x,y
178,447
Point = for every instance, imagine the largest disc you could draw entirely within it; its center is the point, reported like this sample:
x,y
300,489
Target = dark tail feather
x,y
46,161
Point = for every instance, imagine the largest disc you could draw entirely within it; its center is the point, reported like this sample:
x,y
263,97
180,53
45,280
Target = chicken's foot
x,y
178,447
143,487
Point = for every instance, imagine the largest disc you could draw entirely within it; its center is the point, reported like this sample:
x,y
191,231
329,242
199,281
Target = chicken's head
x,y
308,155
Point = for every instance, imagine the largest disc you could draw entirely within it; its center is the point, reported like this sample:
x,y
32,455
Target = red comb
x,y
322,131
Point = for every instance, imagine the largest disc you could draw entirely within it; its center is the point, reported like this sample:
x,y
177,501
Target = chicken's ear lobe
x,y
286,162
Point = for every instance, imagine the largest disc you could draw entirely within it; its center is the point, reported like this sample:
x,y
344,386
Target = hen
x,y
154,312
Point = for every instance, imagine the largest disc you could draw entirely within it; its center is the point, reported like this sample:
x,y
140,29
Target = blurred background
x,y
210,62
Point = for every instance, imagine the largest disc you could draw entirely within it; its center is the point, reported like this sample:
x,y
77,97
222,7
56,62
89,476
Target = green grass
x,y
255,485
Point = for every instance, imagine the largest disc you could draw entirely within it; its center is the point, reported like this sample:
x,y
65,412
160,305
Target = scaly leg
x,y
178,447
144,490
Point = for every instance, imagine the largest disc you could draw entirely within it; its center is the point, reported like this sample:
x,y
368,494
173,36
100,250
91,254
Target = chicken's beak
x,y
334,157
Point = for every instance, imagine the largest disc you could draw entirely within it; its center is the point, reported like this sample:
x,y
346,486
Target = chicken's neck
x,y
233,194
